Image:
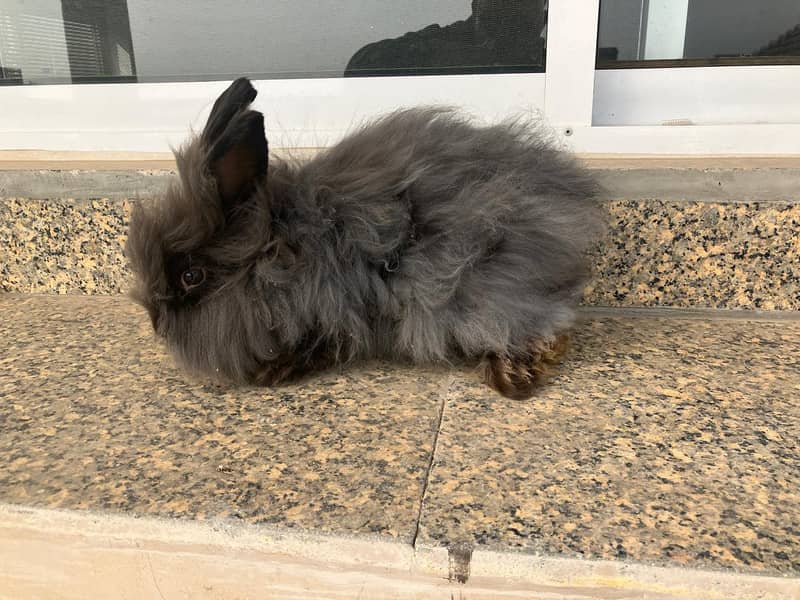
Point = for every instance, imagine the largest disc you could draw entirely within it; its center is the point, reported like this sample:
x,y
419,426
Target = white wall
x,y
208,37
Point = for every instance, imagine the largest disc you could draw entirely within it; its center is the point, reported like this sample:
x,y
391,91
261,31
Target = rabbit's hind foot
x,y
518,375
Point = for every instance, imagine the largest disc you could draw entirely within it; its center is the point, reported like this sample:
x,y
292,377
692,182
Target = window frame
x,y
299,113
574,97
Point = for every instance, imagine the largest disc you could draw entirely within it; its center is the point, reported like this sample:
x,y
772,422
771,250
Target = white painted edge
x,y
48,553
364,551
638,580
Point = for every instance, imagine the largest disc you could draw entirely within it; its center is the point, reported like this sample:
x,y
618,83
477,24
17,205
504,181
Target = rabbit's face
x,y
169,242
192,250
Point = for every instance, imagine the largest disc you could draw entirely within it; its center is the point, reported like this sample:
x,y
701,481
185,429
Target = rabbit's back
x,y
459,239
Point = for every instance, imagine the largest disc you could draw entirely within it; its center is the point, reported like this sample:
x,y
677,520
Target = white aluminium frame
x,y
299,113
620,91
630,112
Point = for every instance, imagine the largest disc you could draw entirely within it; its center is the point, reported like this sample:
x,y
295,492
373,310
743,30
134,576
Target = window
x,y
321,65
77,41
658,33
722,76
698,63
71,41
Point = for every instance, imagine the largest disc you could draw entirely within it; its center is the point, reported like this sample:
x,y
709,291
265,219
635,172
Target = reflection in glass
x,y
701,32
65,41
76,41
499,35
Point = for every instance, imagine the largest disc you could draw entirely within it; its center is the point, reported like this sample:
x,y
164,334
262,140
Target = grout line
x,y
445,394
611,198
586,312
669,312
118,197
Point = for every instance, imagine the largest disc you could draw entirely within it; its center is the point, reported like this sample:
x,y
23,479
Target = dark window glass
x,y
66,41
655,33
74,41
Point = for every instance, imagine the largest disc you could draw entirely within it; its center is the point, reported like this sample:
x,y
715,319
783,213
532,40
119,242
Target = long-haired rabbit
x,y
420,237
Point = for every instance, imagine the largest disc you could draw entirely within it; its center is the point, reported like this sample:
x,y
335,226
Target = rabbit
x,y
420,238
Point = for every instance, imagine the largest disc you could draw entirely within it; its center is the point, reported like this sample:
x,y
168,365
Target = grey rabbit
x,y
419,238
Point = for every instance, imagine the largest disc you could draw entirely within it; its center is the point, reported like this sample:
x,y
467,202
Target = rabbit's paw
x,y
517,375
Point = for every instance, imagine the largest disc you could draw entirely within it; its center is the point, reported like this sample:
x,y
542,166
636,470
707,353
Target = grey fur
x,y
420,237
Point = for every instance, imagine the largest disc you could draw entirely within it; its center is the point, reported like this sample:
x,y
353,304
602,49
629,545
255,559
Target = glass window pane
x,y
698,32
58,41
61,41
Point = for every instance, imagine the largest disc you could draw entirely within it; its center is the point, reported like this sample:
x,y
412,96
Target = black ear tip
x,y
242,88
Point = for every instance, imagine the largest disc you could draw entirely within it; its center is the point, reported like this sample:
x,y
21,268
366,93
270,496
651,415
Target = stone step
x,y
74,555
721,238
667,441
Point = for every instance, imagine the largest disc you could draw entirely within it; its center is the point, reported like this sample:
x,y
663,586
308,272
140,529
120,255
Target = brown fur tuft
x,y
517,376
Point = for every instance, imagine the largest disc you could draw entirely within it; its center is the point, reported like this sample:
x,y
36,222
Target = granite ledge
x,y
661,440
655,252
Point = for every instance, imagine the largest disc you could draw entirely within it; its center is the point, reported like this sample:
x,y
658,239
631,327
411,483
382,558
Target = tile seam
x,y
695,313
444,395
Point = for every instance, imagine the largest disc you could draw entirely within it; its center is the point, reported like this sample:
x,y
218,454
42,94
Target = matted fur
x,y
419,237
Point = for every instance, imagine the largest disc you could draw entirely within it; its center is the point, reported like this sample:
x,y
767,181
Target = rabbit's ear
x,y
238,158
239,95
237,146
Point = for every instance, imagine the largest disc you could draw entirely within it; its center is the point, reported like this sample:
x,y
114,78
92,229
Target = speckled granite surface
x,y
697,254
660,439
683,254
94,416
63,246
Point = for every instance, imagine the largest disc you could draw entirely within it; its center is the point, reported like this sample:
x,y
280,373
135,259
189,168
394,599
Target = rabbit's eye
x,y
193,277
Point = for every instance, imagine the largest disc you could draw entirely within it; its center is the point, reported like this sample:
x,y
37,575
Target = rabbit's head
x,y
193,250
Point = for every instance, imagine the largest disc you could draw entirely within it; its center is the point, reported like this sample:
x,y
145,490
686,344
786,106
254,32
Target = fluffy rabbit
x,y
419,238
